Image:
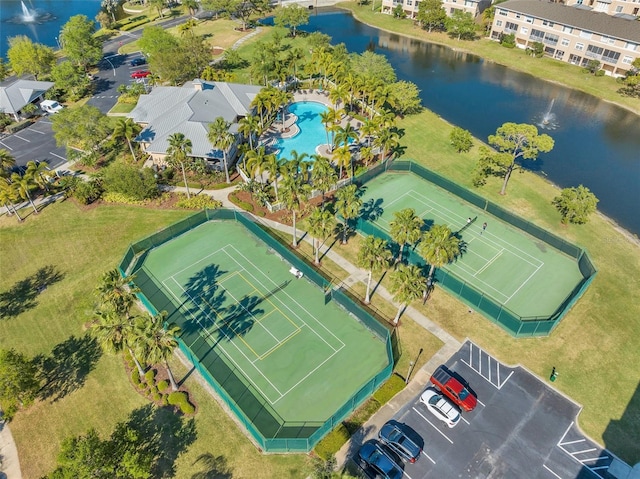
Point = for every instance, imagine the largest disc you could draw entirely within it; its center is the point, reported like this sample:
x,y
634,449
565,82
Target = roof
x,y
189,110
596,22
20,93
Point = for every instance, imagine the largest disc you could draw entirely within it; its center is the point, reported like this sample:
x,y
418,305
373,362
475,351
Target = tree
x,y
406,97
348,204
27,57
243,9
115,292
249,126
271,165
374,66
431,14
178,154
128,129
294,193
159,6
374,255
329,119
159,342
71,80
438,247
461,24
514,141
155,41
79,43
7,161
117,333
131,181
83,127
461,139
342,157
19,382
405,228
24,185
111,7
8,197
39,174
4,69
387,140
323,175
406,286
321,224
222,139
192,5
292,16
575,204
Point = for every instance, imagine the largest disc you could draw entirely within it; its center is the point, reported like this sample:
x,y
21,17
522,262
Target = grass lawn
x,y
545,68
120,108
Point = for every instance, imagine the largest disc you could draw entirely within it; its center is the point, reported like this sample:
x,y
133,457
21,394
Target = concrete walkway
x,y
9,462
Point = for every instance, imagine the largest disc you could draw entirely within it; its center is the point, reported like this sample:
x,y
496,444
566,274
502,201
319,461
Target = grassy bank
x,y
545,68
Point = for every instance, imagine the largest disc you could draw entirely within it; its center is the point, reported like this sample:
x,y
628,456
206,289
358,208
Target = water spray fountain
x,y
28,16
548,120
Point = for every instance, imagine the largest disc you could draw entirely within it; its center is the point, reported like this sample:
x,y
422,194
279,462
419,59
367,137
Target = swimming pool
x,y
312,132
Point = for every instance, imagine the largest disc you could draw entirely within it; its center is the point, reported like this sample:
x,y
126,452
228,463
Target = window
x,y
594,51
579,46
409,3
551,39
564,42
619,9
574,59
609,40
502,12
498,23
610,56
627,60
566,29
517,15
536,35
558,55
585,34
524,30
528,19
631,46
547,23
511,27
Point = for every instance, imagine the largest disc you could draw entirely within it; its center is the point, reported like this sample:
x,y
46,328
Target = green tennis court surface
x,y
515,269
304,355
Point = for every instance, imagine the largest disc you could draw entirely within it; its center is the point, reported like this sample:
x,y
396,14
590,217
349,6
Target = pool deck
x,y
277,132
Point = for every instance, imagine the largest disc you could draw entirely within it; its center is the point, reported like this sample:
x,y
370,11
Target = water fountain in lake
x,y
28,16
31,16
548,120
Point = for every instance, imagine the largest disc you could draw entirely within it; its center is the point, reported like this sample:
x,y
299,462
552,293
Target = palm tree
x,y
369,129
342,156
348,204
406,286
23,186
6,162
222,139
338,94
192,5
386,140
405,228
116,333
374,255
344,135
323,175
438,247
366,155
158,343
321,223
294,193
126,128
8,196
282,99
330,119
115,292
39,173
178,154
294,55
249,126
256,159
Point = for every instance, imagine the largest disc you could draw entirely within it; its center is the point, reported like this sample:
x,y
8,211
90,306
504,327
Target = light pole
x,y
58,42
411,363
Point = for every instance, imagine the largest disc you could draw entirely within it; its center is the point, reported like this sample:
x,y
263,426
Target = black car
x,y
138,61
376,460
394,436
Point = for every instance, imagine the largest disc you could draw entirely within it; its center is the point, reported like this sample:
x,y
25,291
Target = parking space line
x,y
404,473
573,442
481,403
36,131
545,466
599,467
477,366
565,433
6,146
428,457
432,425
586,450
464,420
605,456
24,139
61,157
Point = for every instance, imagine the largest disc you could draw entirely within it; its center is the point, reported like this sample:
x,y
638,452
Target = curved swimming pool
x,y
312,132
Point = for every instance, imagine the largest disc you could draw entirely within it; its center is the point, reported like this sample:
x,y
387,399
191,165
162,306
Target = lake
x,y
597,144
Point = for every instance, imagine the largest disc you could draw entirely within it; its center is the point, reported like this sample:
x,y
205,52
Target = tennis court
x,y
517,270
304,354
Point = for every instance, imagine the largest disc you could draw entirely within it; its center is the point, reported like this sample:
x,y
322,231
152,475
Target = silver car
x,y
441,407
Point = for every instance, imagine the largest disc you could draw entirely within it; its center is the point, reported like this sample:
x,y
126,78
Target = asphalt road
x,y
35,143
521,428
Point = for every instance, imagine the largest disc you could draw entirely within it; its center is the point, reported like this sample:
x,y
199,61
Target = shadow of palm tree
x,y
371,209
215,467
66,369
163,434
22,295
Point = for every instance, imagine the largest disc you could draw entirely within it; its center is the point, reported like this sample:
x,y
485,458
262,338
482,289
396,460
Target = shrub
x,y
150,376
121,199
508,41
86,192
21,125
164,400
130,181
187,408
132,25
135,377
156,396
163,385
198,202
332,442
390,388
181,399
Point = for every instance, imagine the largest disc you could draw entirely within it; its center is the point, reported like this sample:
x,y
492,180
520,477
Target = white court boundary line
x,y
284,306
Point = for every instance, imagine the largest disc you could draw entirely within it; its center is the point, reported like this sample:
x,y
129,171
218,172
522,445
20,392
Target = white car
x,y
441,407
50,106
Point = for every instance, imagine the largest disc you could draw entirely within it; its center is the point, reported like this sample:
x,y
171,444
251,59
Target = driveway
x,y
521,428
35,143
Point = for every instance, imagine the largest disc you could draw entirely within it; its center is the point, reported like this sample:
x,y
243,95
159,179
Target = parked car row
x,y
448,395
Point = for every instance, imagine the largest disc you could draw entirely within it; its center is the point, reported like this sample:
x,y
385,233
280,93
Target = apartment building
x,y
410,7
610,7
571,34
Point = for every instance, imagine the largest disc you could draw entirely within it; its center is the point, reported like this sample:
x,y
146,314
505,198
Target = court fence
x,y
513,323
269,430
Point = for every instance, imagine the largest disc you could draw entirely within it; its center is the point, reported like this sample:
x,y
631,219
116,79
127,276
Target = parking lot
x,y
35,143
521,428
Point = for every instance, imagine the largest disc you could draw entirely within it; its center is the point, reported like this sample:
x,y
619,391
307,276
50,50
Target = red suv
x,y
140,74
454,389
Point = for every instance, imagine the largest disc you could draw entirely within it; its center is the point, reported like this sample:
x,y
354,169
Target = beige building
x,y
610,7
410,7
571,34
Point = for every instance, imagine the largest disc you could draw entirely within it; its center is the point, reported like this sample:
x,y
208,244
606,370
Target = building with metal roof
x,y
17,95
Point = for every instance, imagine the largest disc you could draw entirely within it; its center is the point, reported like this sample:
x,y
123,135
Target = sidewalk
x,y
9,462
